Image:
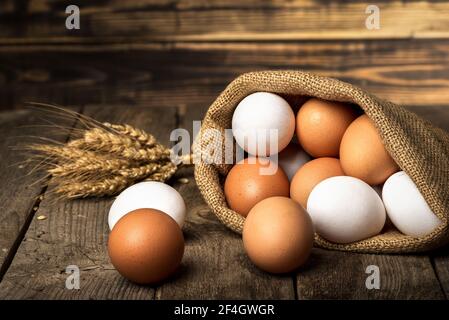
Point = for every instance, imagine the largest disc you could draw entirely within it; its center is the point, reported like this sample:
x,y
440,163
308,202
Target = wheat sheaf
x,y
101,159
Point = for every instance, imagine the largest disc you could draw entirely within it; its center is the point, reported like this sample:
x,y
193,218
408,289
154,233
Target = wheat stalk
x,y
106,187
104,159
144,138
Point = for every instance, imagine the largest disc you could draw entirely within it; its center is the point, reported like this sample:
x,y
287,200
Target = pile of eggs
x,y
146,243
333,177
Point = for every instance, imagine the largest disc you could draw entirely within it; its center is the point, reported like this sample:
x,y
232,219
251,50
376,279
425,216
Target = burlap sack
x,y
420,149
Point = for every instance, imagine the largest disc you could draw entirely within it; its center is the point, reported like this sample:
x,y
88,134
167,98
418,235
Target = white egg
x,y
406,207
292,158
263,123
152,195
346,209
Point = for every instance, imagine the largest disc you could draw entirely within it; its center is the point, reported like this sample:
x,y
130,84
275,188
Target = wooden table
x,y
41,235
158,65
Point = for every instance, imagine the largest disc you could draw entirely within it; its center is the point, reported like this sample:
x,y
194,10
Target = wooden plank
x,y
215,265
20,193
411,72
38,21
76,232
441,263
342,275
437,115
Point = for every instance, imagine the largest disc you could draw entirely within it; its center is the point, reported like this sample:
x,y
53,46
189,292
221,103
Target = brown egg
x,y
310,174
320,125
146,246
278,235
363,155
246,184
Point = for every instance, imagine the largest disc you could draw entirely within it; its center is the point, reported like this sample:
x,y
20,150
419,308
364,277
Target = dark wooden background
x,y
158,64
184,52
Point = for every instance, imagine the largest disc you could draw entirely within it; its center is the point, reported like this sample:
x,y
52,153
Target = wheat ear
x,y
104,159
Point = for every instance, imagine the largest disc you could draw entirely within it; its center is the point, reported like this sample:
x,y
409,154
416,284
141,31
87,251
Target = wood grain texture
x,y
215,265
438,116
19,193
106,21
411,72
75,233
441,265
341,275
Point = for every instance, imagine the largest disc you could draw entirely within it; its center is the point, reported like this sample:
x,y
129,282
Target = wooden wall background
x,y
184,52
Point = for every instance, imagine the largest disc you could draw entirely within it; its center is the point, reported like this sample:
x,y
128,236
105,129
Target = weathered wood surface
x,y
408,72
75,233
332,274
214,265
43,21
19,194
441,264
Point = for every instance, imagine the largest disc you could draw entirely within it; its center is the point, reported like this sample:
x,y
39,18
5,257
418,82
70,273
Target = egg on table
x,y
407,208
346,209
278,235
263,123
146,246
149,194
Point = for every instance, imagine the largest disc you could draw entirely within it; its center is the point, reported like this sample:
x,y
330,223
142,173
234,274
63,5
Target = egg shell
x,y
292,158
346,209
148,194
278,235
320,125
146,246
363,154
407,208
253,119
310,174
245,185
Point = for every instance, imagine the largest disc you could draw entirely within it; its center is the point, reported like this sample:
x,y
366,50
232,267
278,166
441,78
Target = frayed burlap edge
x,y
420,149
